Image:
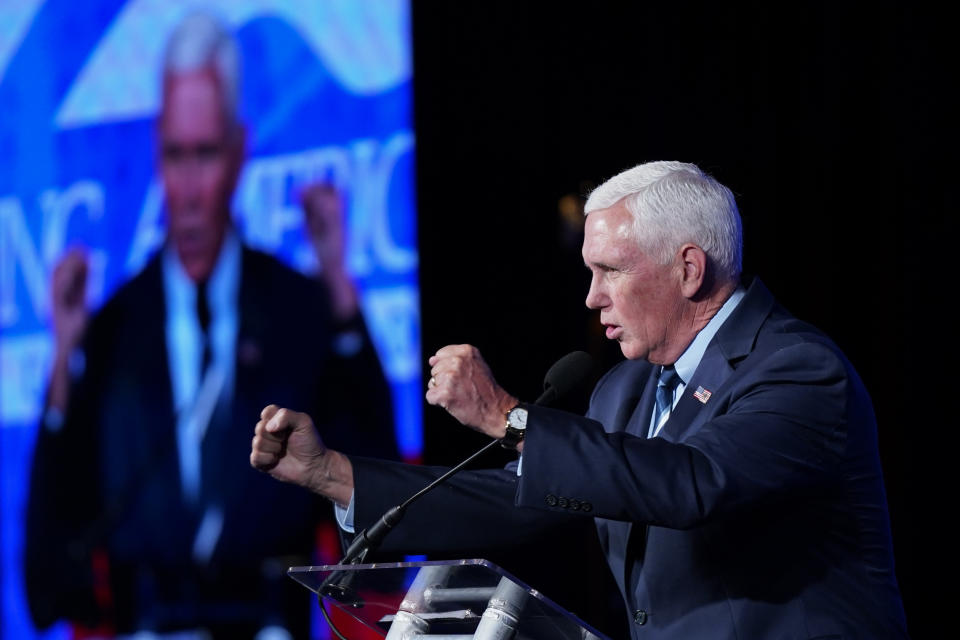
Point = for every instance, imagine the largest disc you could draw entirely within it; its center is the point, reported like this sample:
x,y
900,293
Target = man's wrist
x,y
497,423
332,477
343,294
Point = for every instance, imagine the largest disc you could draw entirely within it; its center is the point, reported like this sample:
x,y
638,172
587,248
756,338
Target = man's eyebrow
x,y
602,266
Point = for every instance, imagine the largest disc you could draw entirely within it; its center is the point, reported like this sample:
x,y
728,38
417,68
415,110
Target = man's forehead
x,y
609,230
615,221
203,79
192,105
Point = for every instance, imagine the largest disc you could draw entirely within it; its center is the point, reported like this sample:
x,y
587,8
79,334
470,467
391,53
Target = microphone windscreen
x,y
565,375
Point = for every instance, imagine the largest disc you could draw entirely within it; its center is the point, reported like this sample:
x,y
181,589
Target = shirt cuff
x,y
53,419
345,516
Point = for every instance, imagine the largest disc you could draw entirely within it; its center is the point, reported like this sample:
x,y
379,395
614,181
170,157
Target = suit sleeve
x,y
783,431
473,511
62,507
474,516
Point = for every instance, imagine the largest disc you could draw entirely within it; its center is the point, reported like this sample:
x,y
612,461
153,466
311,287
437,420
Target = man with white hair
x,y
730,463
144,515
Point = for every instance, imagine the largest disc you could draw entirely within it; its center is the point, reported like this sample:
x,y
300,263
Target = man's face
x,y
200,156
639,300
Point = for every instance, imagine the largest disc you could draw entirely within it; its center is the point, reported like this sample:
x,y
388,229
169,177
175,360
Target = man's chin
x,y
198,268
630,350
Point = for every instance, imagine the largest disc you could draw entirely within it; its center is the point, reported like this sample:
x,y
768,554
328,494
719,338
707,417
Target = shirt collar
x,y
224,279
688,362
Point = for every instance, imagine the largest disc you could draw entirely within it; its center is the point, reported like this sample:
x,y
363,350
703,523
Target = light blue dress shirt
x,y
686,365
184,339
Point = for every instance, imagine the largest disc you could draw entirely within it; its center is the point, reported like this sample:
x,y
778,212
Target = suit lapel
x,y
251,329
155,389
225,441
144,400
733,341
713,371
639,422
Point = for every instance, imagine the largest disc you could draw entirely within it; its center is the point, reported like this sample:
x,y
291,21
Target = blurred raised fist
x,y
324,217
323,211
69,290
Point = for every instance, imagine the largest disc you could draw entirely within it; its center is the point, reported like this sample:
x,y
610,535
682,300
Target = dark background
x,y
830,124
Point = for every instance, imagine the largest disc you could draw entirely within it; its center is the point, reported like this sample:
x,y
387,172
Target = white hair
x,y
673,203
202,40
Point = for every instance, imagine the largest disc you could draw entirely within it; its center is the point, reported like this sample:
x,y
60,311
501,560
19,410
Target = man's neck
x,y
696,315
705,309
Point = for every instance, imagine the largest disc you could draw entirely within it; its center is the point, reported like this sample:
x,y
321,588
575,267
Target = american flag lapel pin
x,y
702,395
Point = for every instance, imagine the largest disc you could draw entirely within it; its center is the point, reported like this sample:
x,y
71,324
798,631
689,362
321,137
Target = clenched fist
x,y
462,383
326,223
287,446
69,289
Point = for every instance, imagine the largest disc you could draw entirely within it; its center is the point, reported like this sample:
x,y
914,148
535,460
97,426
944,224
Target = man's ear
x,y
238,143
237,148
694,262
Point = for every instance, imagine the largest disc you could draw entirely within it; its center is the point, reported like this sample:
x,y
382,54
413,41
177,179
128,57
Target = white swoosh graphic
x,y
365,45
15,19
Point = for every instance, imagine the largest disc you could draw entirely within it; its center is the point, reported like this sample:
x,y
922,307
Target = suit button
x,y
640,617
575,505
562,502
586,507
551,500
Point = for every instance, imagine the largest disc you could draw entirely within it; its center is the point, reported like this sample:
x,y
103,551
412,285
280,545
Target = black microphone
x,y
564,376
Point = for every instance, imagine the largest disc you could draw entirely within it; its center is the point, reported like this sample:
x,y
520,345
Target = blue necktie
x,y
203,317
669,379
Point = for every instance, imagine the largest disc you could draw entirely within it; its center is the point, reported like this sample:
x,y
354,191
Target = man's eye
x,y
208,152
172,154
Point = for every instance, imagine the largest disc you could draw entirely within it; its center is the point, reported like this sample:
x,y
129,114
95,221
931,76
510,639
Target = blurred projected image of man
x,y
144,514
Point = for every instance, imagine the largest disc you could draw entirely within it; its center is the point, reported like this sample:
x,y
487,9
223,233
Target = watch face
x,y
518,418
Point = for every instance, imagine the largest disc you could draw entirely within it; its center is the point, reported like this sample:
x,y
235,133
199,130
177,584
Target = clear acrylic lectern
x,y
441,600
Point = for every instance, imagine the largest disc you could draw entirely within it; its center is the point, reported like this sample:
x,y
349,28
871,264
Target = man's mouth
x,y
191,242
613,332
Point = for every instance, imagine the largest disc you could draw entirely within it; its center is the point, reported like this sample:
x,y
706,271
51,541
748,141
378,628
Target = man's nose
x,y
596,298
189,182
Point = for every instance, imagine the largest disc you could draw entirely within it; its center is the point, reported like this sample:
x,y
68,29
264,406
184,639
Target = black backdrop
x,y
827,121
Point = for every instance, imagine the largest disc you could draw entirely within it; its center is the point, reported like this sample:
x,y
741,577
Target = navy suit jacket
x,y
759,511
109,480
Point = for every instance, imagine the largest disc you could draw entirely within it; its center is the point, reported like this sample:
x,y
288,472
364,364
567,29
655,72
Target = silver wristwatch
x,y
516,427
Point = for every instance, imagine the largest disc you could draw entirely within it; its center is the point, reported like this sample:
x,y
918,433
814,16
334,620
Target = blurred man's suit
x,y
109,483
773,521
